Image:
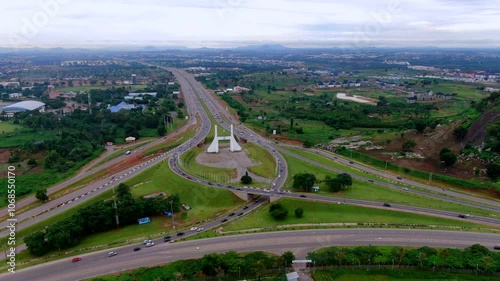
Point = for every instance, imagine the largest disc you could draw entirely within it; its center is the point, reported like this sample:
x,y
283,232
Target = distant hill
x,y
266,47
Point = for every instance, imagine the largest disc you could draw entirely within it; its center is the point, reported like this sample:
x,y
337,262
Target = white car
x,y
147,242
194,228
150,244
200,229
110,254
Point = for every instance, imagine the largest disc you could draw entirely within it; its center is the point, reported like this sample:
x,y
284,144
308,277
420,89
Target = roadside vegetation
x,y
46,148
399,262
369,191
316,213
227,266
159,182
295,107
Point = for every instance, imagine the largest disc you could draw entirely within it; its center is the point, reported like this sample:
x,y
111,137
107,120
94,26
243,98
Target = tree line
x,y
213,266
474,257
99,217
306,181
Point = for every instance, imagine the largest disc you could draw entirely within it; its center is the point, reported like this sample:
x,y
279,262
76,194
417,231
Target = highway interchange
x,y
194,94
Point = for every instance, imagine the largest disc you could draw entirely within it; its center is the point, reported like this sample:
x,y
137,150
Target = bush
x,y
299,212
278,211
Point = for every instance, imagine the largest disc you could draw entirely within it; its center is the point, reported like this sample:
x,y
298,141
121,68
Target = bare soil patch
x,y
227,159
428,145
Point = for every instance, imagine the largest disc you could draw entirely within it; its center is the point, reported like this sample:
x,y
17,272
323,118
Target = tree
x,y
345,180
288,257
338,183
278,211
333,184
304,181
459,133
307,144
123,190
408,145
161,130
53,159
493,170
382,101
200,276
447,157
420,125
246,179
291,122
219,271
36,244
299,212
41,194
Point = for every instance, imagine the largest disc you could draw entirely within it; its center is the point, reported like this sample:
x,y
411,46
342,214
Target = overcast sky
x,y
228,23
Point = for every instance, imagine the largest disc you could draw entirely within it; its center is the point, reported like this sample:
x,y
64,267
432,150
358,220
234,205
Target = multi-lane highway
x,y
194,94
62,203
191,89
394,186
220,114
300,242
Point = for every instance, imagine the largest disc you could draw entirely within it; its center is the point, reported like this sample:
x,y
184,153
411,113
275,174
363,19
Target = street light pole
x,y
172,209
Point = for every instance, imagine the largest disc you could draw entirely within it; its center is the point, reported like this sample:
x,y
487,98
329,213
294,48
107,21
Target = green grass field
x,y
88,88
369,191
320,212
7,127
119,153
21,135
268,166
219,175
205,202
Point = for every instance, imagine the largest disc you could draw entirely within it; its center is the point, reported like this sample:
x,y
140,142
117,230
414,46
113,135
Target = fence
x,y
405,267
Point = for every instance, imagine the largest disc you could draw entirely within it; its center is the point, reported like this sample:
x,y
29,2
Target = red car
x,y
76,259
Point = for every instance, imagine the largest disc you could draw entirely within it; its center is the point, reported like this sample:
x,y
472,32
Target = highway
x,y
190,89
401,180
95,188
220,114
300,242
393,186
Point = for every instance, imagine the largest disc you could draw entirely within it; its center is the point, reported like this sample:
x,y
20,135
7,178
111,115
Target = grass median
x,y
365,190
319,212
205,202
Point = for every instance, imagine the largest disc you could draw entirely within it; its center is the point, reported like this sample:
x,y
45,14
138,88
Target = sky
x,y
232,23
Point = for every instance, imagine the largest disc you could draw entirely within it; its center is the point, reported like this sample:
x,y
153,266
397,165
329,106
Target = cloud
x,y
195,22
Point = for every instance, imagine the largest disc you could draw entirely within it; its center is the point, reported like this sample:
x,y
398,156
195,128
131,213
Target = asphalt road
x,y
399,179
393,186
300,242
222,116
62,203
189,89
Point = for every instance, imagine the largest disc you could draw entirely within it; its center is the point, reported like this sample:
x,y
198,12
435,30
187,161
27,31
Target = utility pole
x,y
116,215
90,105
172,209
